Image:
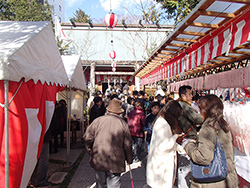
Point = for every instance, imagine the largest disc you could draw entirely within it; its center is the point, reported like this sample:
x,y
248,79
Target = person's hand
x,y
181,135
193,140
187,141
180,138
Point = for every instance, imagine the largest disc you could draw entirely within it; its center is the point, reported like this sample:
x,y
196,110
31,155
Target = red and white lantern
x,y
113,69
113,64
110,20
112,54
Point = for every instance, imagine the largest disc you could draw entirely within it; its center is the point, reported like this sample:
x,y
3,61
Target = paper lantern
x,y
110,20
113,64
112,55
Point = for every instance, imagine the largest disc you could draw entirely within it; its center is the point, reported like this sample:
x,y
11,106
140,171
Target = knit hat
x,y
115,106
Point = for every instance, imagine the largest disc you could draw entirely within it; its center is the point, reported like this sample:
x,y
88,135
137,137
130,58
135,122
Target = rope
x,y
2,105
15,92
110,6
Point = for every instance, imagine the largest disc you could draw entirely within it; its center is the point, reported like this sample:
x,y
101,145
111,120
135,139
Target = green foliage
x,y
80,16
25,10
177,9
62,47
152,15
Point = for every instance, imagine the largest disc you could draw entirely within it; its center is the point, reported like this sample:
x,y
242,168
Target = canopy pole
x,y
68,123
6,127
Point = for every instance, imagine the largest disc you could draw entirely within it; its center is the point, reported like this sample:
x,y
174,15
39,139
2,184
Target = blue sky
x,y
97,9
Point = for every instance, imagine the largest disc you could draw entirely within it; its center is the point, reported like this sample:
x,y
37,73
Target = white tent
x,y
31,73
29,50
73,66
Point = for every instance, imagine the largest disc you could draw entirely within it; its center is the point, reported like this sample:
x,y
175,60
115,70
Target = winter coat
x,y
162,158
203,152
148,125
136,121
96,111
109,143
189,118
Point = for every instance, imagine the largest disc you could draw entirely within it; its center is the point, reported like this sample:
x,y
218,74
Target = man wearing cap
x,y
109,143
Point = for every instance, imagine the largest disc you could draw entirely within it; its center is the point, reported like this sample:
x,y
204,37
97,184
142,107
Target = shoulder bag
x,y
215,171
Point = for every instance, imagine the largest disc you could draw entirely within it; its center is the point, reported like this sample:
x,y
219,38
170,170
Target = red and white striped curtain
x,y
226,38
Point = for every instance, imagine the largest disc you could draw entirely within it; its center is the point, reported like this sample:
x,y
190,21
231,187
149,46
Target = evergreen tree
x,y
25,10
177,9
80,16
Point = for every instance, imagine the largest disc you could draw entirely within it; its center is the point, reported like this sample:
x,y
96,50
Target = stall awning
x,y
73,67
215,33
28,50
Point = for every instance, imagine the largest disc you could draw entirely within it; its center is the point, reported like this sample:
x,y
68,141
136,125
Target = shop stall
x,y
31,73
209,50
74,95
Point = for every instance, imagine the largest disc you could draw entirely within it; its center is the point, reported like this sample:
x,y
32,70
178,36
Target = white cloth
x,y
159,91
161,164
91,98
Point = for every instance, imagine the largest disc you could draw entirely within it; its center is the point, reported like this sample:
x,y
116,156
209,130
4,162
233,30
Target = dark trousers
x,y
39,175
137,147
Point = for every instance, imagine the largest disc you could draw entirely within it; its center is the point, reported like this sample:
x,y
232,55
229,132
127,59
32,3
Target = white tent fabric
x,y
29,50
74,71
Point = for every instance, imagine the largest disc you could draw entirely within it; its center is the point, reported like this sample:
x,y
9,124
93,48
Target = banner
x,y
223,40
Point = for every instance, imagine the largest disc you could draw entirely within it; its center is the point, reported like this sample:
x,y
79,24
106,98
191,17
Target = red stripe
x,y
202,55
243,182
111,20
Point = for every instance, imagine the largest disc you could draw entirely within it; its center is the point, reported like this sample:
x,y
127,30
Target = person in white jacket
x,y
162,158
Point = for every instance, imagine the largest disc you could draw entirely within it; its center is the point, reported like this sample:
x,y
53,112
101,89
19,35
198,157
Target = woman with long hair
x,y
201,151
161,164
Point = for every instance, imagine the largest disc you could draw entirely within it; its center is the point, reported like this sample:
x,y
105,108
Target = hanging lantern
x,y
113,69
110,20
112,54
113,64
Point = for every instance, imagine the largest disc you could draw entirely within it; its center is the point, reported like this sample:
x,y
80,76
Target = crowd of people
x,y
171,133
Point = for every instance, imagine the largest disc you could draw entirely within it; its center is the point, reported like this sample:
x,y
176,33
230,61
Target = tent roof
x,y
205,19
73,66
29,50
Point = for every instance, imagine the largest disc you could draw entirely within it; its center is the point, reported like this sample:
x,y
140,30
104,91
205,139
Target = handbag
x,y
215,171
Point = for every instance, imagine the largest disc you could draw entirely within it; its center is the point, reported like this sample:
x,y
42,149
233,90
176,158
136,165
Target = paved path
x,y
85,176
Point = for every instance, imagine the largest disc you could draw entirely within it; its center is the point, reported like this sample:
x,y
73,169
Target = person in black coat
x,y
97,110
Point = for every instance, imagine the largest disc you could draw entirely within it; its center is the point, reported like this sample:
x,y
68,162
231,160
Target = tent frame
x,y
6,128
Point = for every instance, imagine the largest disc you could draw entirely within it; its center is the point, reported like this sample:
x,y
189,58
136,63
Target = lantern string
x,y
112,47
112,44
110,6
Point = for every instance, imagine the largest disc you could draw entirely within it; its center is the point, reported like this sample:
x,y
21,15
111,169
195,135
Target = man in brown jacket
x,y
109,143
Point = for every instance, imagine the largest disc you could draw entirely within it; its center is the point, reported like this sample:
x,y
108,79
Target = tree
x,y
62,47
80,16
177,9
25,10
148,14
29,10
151,15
